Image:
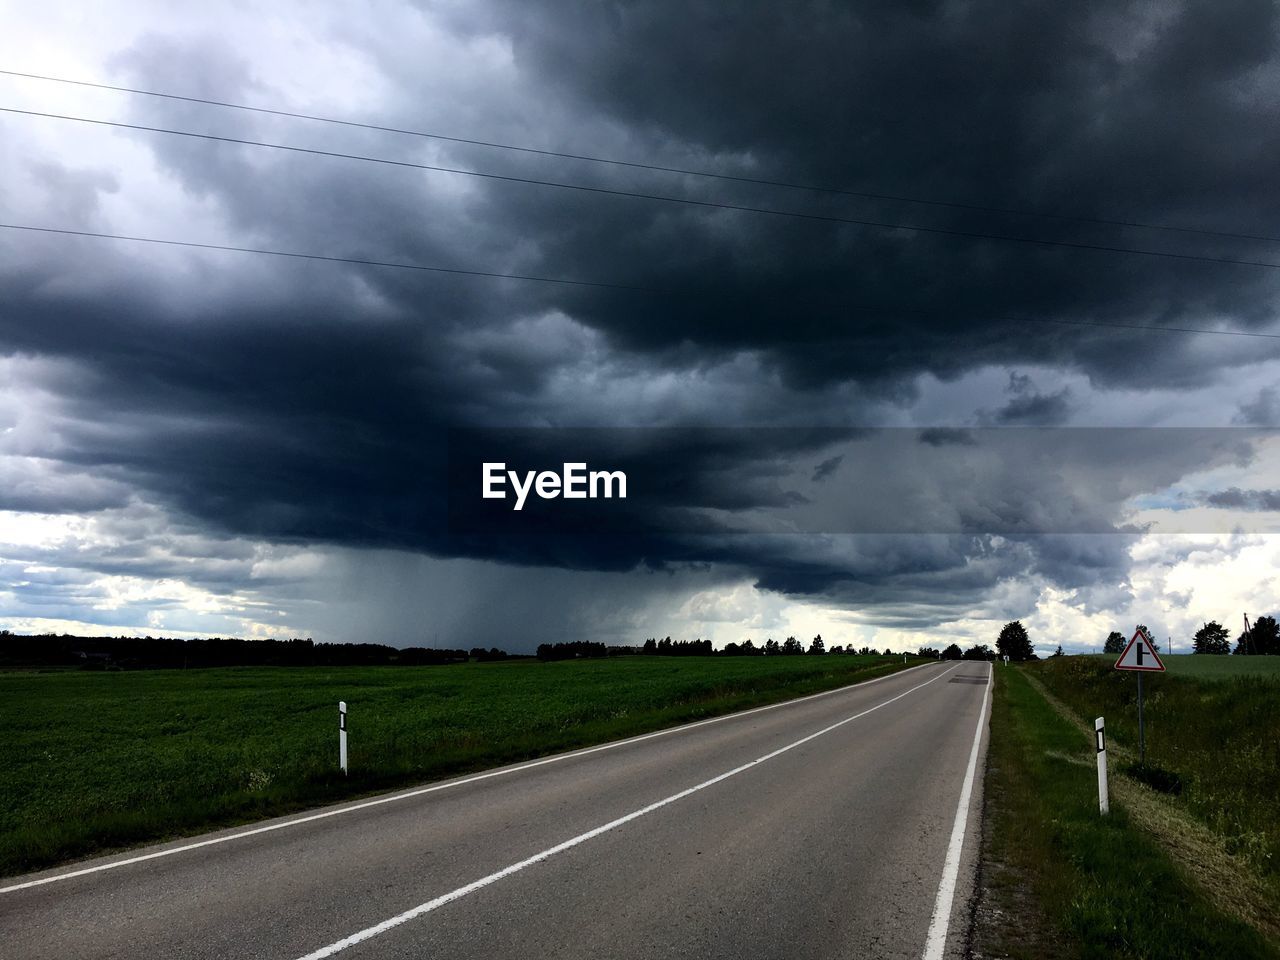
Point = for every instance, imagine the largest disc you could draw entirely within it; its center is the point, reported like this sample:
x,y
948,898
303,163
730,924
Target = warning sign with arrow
x,y
1140,654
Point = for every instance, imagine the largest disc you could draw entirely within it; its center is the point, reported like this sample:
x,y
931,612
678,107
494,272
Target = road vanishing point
x,y
843,824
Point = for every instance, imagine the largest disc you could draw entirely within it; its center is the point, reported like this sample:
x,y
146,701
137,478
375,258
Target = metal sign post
x,y
1140,656
1142,730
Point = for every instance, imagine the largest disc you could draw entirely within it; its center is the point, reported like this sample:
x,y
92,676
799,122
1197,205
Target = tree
x,y
1266,636
929,652
571,650
1059,652
1262,640
1212,638
771,647
978,651
1115,643
817,646
791,646
1014,642
952,653
1150,636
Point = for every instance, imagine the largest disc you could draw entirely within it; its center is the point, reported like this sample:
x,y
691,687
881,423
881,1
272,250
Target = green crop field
x,y
1223,668
1212,667
96,759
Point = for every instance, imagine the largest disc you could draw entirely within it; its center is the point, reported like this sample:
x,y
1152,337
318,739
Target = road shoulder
x,y
1058,880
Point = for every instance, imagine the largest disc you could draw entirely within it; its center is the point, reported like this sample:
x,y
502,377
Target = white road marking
x,y
936,942
420,791
430,905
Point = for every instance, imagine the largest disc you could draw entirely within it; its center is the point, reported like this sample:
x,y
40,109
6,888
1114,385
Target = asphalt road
x,y
831,826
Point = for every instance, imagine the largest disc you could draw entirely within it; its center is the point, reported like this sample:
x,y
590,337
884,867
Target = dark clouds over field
x,y
304,406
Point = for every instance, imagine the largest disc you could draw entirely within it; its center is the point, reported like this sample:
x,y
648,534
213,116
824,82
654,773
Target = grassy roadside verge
x,y
1212,741
1059,880
102,761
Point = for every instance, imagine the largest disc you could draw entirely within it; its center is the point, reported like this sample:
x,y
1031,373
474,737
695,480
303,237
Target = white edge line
x,y
417,792
440,901
936,942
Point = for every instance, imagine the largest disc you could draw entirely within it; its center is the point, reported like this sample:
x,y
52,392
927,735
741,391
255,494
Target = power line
x,y
662,198
683,171
327,259
1120,325
400,265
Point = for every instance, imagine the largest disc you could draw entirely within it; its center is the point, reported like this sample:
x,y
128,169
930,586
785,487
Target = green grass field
x,y
96,760
1211,668
1223,668
1065,882
1214,722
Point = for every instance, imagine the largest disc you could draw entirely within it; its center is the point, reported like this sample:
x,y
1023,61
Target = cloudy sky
x,y
907,319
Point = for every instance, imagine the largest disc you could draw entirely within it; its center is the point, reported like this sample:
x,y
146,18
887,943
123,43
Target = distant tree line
x,y
481,655
573,650
979,651
667,647
135,653
1013,642
1262,640
1213,639
790,647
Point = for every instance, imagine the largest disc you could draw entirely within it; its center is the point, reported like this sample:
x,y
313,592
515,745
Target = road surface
x,y
839,825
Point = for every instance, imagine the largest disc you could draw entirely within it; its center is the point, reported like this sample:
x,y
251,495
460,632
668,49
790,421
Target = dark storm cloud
x,y
824,303
1027,406
78,192
43,486
1068,119
826,468
1036,408
944,436
1131,112
311,402
1263,410
1236,499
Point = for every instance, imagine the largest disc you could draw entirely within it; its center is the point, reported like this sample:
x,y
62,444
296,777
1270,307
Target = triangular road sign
x,y
1140,655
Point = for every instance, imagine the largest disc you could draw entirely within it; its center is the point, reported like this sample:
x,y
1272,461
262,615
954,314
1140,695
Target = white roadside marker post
x,y
342,735
1100,735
